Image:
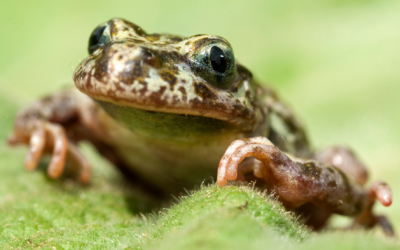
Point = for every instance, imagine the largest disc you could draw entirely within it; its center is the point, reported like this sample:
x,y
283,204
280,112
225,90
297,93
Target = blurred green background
x,y
336,62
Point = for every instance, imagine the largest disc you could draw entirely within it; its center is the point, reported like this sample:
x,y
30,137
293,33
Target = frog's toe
x,y
228,168
84,166
59,142
381,191
63,149
37,142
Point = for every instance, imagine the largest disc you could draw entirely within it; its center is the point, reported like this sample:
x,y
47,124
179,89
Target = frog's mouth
x,y
130,80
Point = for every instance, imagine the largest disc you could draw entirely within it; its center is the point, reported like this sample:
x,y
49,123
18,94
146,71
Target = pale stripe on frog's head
x,y
156,72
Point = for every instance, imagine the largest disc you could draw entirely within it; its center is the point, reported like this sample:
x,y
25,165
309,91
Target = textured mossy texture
x,y
67,216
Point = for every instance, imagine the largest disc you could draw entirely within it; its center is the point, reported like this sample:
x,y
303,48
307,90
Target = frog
x,y
170,111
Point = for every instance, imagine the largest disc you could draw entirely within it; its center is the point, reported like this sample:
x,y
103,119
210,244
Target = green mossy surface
x,y
336,62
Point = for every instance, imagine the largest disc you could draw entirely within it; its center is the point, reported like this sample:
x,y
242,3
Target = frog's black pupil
x,y
218,59
96,35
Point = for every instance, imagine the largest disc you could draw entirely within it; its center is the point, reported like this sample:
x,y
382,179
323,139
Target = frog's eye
x,y
214,63
98,38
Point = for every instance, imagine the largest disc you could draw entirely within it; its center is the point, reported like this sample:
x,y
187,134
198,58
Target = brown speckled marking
x,y
157,95
101,65
332,184
204,91
170,78
310,169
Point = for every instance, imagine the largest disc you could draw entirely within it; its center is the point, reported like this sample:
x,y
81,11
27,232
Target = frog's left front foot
x,y
297,181
46,137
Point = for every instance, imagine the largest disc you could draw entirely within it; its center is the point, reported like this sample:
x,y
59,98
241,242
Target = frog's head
x,y
194,76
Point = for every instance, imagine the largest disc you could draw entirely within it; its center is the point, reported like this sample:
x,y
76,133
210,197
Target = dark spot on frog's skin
x,y
139,31
175,69
111,94
120,58
114,30
169,77
187,43
101,64
175,99
176,39
143,90
332,184
183,91
309,168
204,91
136,72
248,95
151,58
156,97
241,109
196,101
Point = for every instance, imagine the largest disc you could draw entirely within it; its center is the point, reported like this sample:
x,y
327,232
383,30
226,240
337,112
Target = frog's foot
x,y
297,181
279,172
45,137
381,191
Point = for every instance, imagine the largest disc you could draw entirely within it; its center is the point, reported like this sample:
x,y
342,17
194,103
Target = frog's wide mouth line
x,y
234,120
167,125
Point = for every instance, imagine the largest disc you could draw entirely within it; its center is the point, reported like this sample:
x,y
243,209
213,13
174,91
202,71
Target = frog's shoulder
x,y
286,130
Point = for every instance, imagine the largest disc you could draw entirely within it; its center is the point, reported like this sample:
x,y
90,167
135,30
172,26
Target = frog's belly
x,y
167,163
175,165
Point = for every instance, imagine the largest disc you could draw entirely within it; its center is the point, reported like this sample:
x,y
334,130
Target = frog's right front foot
x,y
46,137
296,182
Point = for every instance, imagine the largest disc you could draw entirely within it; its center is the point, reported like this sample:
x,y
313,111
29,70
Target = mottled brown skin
x,y
163,109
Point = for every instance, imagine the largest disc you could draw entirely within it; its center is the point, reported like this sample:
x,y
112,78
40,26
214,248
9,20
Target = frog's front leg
x,y
42,127
296,181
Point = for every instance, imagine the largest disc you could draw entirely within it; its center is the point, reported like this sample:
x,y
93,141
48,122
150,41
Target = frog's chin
x,y
168,125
